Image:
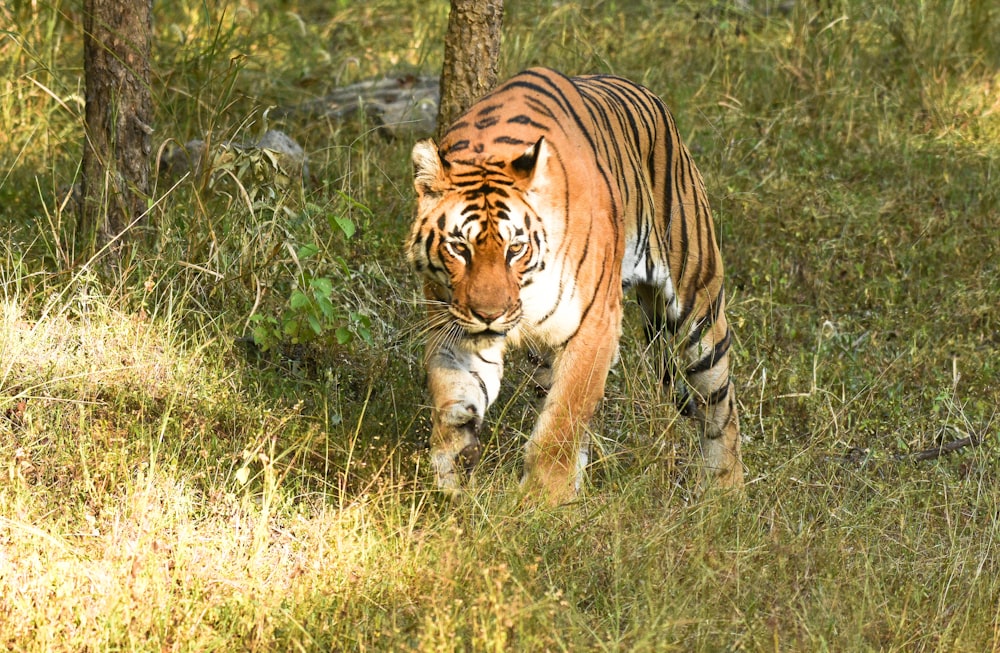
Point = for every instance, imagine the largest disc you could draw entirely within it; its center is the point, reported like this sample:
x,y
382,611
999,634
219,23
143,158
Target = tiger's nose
x,y
486,315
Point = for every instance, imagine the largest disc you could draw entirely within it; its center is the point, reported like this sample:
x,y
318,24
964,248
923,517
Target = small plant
x,y
310,313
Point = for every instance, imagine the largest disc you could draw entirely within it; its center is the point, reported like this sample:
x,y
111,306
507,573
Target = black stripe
x,y
509,140
482,385
706,320
429,246
708,361
717,396
480,356
525,120
457,147
539,107
489,109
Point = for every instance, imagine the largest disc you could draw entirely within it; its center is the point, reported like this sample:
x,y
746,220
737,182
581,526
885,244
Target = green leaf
x,y
298,300
307,250
327,308
321,286
344,335
355,203
342,264
345,224
314,324
262,337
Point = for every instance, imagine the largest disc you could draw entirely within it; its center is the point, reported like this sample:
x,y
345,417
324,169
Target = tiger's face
x,y
477,239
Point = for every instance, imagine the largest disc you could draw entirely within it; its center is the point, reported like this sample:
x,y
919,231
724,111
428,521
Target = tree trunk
x,y
116,42
471,56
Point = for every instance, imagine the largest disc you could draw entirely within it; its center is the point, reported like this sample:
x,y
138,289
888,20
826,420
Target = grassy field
x,y
166,484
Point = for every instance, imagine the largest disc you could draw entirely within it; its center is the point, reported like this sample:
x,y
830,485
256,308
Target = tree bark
x,y
116,41
471,57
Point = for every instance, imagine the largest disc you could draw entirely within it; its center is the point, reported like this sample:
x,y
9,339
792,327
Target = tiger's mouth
x,y
477,325
480,330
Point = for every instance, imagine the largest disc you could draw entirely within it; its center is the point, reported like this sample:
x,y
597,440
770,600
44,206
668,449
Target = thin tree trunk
x,y
471,57
117,35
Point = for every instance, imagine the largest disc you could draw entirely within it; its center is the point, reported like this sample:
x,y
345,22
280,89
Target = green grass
x,y
166,486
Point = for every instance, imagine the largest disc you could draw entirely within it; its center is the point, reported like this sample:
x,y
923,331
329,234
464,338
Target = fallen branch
x,y
858,455
402,103
954,445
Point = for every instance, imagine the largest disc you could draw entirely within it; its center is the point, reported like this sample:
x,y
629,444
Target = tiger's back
x,y
543,202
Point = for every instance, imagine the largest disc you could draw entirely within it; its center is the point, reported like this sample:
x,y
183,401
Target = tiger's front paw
x,y
452,470
556,479
455,449
553,487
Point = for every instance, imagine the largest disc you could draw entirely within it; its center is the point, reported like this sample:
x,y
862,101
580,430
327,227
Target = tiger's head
x,y
478,238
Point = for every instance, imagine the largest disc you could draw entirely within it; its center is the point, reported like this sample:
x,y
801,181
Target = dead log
x,y
402,105
936,452
857,456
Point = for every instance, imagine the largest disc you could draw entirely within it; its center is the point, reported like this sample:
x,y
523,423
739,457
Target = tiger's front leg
x,y
557,452
463,380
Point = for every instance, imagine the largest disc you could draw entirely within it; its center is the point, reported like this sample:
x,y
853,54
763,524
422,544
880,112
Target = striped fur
x,y
547,200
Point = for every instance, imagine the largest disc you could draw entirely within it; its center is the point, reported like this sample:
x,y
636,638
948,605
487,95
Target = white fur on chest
x,y
552,309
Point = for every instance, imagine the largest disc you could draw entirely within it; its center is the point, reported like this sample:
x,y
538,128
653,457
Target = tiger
x,y
540,207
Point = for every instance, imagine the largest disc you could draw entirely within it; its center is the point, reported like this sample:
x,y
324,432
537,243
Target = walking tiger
x,y
540,207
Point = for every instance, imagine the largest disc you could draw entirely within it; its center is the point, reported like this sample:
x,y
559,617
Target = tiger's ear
x,y
529,165
428,168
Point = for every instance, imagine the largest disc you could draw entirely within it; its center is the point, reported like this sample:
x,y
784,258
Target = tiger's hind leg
x,y
695,363
704,357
